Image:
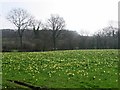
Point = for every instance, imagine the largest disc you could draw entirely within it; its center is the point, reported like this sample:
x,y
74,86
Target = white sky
x,y
80,15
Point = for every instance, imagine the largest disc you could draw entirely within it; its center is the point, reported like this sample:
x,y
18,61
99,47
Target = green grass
x,y
62,69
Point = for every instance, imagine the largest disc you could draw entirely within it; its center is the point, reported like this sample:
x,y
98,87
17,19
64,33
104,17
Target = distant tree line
x,y
107,38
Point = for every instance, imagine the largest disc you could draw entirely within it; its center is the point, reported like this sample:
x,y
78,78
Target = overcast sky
x,y
80,15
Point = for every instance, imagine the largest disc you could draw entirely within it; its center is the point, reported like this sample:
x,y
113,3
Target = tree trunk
x,y
54,43
20,33
21,43
54,40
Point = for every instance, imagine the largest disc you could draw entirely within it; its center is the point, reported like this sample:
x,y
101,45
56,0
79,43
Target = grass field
x,y
62,69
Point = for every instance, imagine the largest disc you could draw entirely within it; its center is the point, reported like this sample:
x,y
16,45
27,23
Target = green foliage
x,y
62,69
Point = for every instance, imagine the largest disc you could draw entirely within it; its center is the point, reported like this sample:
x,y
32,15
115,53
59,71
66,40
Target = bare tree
x,y
56,24
21,19
36,24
